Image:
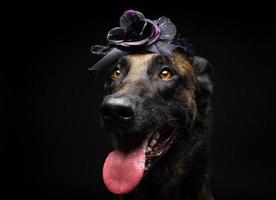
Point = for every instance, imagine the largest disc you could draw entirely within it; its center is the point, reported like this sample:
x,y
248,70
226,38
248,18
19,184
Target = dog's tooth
x,y
153,142
147,167
148,149
156,136
158,154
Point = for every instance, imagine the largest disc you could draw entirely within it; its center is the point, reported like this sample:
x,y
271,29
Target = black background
x,y
51,143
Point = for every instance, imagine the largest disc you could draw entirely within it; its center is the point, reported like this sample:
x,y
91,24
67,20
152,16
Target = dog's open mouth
x,y
123,171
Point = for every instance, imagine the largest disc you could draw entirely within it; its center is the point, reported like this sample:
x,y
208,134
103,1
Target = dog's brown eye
x,y
166,74
116,73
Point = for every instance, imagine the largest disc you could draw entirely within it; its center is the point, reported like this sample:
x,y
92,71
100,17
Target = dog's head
x,y
152,101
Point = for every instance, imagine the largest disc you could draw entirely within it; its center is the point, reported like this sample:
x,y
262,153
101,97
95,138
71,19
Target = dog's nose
x,y
118,108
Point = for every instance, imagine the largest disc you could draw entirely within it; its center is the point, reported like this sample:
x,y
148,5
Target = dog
x,y
157,111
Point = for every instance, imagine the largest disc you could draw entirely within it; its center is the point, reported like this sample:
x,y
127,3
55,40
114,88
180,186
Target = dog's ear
x,y
201,66
202,70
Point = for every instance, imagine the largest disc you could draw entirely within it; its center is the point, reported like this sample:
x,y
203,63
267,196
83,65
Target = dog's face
x,y
150,102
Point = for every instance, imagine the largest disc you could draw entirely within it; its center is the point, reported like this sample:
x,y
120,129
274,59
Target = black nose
x,y
119,108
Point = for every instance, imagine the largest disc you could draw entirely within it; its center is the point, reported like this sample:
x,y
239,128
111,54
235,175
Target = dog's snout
x,y
119,108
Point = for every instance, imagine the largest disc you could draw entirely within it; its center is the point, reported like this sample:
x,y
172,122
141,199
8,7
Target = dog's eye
x,y
116,73
166,74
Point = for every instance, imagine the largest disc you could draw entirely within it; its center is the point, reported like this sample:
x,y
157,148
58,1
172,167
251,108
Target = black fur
x,y
183,171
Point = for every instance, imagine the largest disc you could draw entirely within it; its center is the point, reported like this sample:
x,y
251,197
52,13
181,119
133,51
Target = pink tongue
x,y
122,172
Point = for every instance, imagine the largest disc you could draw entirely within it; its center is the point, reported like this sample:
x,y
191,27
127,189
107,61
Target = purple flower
x,y
137,33
136,30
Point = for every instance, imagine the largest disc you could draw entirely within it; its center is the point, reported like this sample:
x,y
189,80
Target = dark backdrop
x,y
51,143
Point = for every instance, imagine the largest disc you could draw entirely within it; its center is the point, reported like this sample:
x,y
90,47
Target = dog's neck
x,y
184,175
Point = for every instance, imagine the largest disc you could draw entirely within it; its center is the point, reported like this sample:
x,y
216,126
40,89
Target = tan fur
x,y
139,66
186,67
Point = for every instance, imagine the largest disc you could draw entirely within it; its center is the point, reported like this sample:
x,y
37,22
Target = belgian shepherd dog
x,y
157,111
